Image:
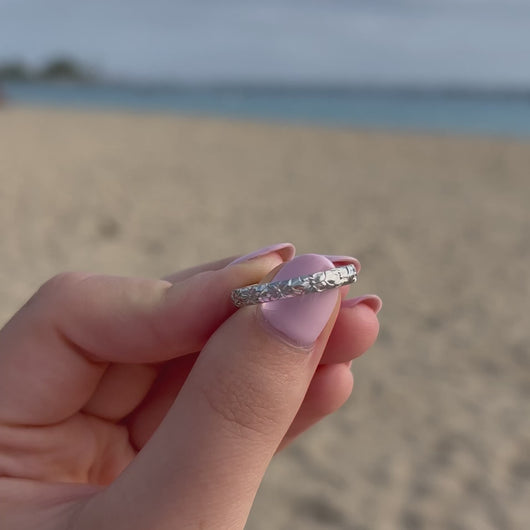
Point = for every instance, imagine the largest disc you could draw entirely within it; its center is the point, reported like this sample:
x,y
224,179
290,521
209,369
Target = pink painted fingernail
x,y
371,300
301,319
345,260
285,250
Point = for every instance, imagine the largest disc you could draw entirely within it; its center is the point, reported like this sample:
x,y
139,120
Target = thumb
x,y
204,464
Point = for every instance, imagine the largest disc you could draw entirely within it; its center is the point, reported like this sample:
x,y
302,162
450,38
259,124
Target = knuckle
x,y
61,285
63,281
55,292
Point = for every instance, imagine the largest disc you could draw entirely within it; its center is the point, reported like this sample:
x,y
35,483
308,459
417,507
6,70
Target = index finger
x,y
54,351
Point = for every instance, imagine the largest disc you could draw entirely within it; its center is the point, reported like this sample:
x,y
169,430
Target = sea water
x,y
490,113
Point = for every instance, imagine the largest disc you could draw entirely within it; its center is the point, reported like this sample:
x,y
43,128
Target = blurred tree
x,y
63,69
14,71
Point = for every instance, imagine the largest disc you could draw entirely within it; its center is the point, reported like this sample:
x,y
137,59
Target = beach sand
x,y
437,433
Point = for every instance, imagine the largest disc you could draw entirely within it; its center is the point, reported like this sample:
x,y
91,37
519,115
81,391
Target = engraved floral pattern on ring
x,y
313,283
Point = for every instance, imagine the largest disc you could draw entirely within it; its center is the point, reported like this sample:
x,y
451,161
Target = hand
x,y
111,419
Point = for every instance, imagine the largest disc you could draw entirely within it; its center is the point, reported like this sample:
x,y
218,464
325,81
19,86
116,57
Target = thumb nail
x,y
301,319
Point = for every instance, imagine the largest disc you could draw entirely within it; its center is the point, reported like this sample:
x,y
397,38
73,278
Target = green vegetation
x,y
57,69
13,72
62,69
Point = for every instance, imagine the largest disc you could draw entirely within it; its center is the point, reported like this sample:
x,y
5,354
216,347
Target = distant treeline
x,y
59,69
68,69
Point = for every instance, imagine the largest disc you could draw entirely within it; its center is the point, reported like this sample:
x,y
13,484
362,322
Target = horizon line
x,y
308,87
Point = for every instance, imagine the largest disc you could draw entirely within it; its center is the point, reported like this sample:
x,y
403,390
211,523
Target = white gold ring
x,y
260,293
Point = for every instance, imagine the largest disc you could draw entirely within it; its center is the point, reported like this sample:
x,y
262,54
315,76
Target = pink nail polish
x,y
345,260
286,251
301,319
371,300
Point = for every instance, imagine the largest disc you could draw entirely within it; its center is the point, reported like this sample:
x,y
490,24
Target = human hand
x,y
110,419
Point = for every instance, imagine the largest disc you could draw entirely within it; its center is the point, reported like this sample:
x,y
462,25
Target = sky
x,y
462,42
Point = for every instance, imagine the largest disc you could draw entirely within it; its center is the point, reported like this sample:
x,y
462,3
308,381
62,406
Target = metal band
x,y
313,283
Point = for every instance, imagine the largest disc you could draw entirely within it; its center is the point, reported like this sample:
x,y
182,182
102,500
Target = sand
x,y
437,434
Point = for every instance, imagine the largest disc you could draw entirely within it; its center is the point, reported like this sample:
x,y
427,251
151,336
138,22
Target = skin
x,y
110,418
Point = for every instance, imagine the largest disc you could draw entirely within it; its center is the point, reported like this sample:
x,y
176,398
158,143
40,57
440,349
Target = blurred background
x,y
141,137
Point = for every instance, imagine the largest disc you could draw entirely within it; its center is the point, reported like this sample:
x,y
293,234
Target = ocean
x,y
438,111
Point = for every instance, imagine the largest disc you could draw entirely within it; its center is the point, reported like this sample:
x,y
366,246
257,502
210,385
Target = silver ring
x,y
260,293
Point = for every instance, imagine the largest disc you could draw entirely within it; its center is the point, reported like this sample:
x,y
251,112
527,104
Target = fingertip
x,y
340,380
371,300
329,390
355,332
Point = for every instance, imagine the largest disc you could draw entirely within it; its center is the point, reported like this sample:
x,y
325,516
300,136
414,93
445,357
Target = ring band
x,y
260,293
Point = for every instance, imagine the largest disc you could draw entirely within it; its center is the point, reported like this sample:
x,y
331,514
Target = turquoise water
x,y
482,113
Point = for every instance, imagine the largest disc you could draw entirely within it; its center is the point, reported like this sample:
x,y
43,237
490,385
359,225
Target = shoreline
x,y
253,121
380,110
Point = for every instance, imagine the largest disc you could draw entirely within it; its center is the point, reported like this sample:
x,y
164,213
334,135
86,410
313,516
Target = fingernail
x,y
285,250
301,319
371,300
345,260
